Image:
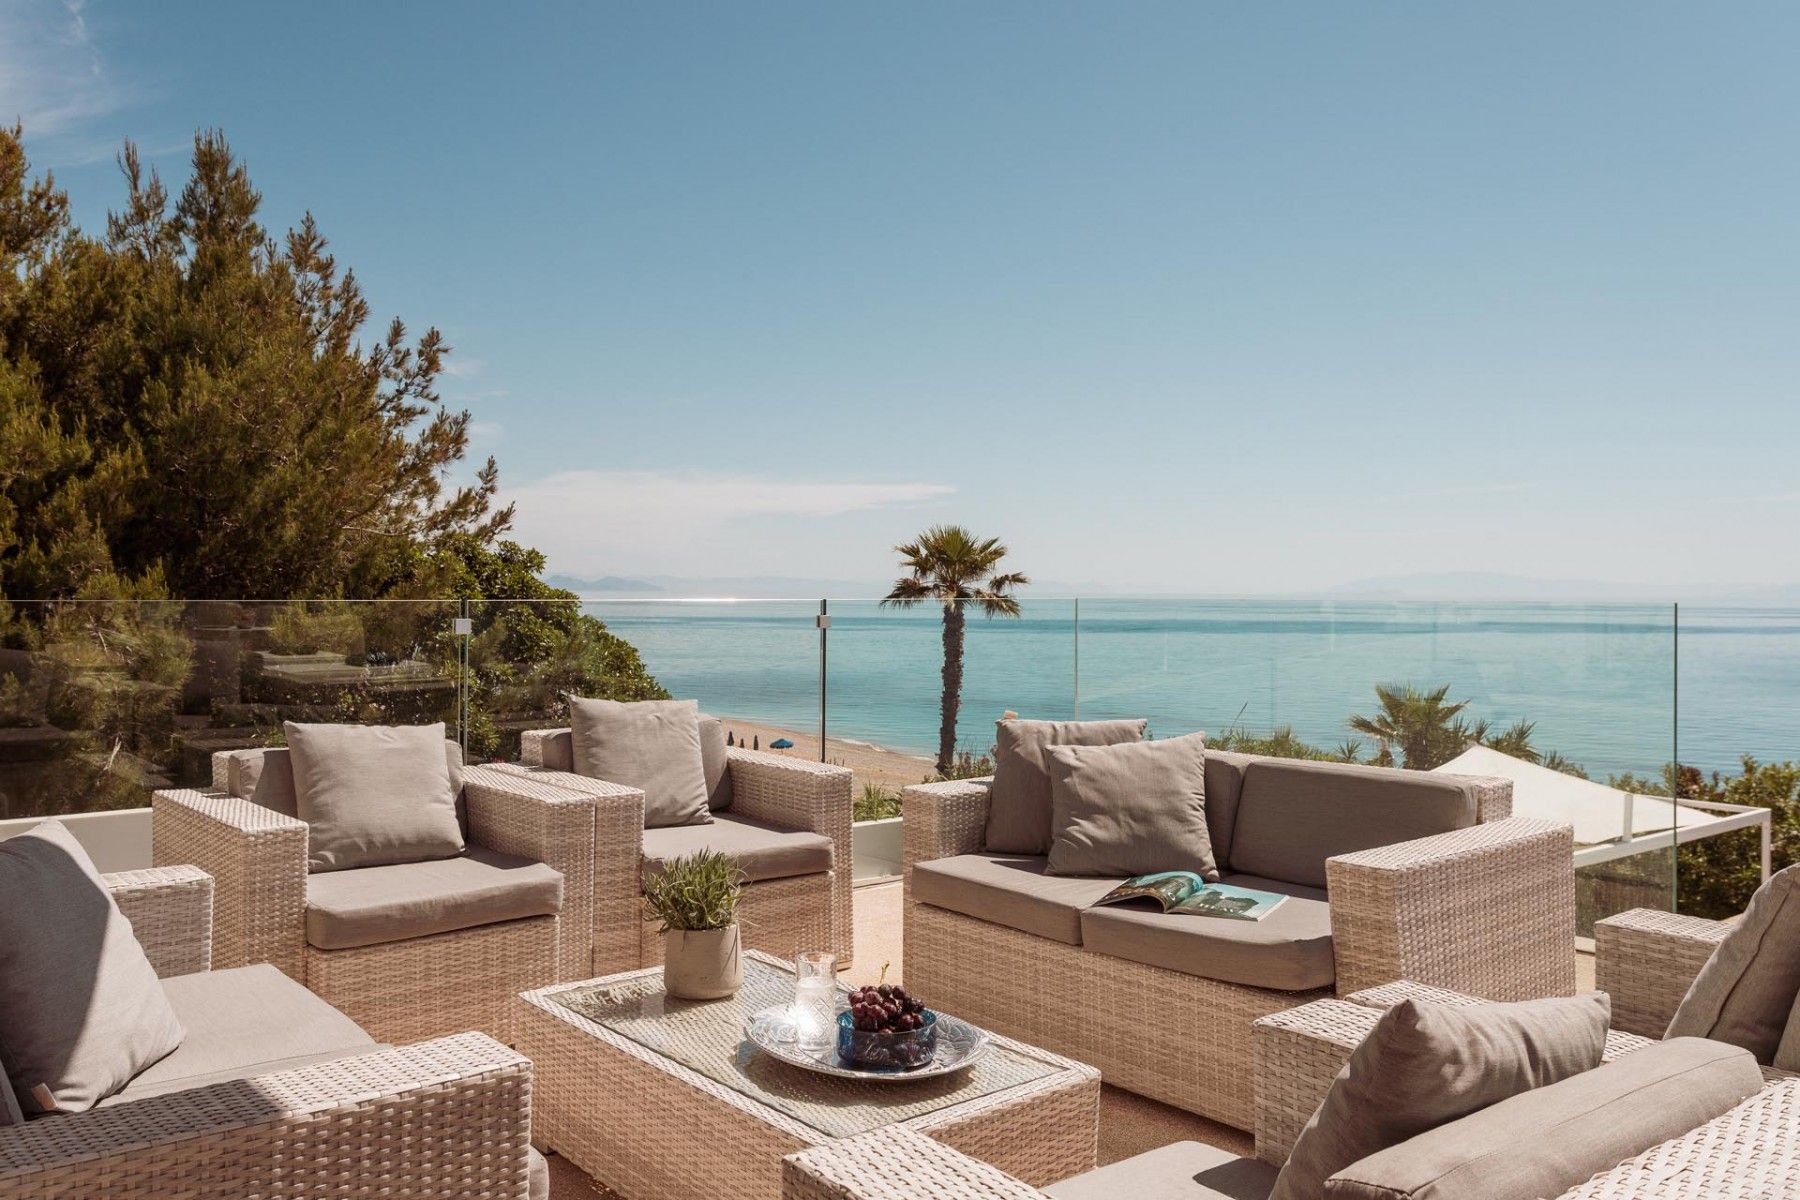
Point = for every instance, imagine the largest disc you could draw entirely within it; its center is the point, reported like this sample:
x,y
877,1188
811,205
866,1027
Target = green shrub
x,y
696,891
304,629
876,803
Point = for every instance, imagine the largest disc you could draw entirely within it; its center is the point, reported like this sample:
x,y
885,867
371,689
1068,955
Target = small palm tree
x,y
1514,740
1420,725
950,565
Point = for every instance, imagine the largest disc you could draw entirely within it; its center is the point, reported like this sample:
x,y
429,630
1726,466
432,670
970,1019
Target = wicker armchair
x,y
1488,909
1645,960
1750,1153
447,1118
768,791
412,987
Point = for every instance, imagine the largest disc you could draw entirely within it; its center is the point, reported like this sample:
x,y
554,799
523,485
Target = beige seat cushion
x,y
265,775
652,745
1130,809
1179,1171
244,1022
373,794
1424,1065
1013,890
1018,820
1289,950
762,851
1544,1141
372,906
1292,815
81,1010
1747,989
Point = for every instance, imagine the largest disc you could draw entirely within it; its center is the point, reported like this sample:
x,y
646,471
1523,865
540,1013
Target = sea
x,y
1614,688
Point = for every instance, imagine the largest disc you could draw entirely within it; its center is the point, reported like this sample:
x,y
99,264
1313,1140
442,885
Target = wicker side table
x,y
660,1098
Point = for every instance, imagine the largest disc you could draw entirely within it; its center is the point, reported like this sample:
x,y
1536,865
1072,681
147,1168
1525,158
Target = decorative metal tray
x,y
959,1044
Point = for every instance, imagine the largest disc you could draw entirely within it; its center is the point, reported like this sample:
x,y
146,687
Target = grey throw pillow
x,y
373,795
1130,809
1787,1054
1019,798
1424,1065
81,1009
652,745
1746,990
716,760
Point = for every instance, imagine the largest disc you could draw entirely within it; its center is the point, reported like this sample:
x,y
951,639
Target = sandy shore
x,y
869,763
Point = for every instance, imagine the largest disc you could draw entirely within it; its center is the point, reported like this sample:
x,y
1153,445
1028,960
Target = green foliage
x,y
1280,742
311,628
876,803
1420,726
696,891
965,764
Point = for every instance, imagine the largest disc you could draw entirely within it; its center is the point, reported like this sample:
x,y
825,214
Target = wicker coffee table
x,y
660,1098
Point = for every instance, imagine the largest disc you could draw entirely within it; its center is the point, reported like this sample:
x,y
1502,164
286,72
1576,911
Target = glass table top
x,y
708,1037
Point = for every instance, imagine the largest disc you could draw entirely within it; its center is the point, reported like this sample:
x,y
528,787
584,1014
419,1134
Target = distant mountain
x,y
760,587
1493,585
606,585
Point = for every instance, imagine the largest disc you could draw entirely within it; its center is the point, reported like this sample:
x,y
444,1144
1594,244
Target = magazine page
x,y
1167,888
1224,900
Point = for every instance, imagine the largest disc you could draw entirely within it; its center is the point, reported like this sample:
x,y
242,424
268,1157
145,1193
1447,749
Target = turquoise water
x,y
1600,681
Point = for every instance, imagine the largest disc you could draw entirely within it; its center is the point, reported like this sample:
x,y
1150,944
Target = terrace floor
x,y
1129,1124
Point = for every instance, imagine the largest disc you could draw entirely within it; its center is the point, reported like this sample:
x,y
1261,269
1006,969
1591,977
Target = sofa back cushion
x,y
652,745
1130,809
716,763
1545,1141
1224,784
81,1009
265,775
373,795
1424,1065
1019,820
1293,815
1747,989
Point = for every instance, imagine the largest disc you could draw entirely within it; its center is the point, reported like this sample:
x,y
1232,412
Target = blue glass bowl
x,y
883,1051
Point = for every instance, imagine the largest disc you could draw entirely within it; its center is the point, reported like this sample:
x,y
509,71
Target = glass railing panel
x,y
1565,691
752,663
102,702
1739,746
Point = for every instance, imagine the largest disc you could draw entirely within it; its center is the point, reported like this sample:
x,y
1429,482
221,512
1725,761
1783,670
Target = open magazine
x,y
1186,893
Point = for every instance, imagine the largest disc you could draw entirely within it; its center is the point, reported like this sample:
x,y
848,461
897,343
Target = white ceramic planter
x,y
702,964
875,845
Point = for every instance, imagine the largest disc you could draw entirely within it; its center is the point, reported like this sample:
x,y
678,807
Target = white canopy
x,y
1597,812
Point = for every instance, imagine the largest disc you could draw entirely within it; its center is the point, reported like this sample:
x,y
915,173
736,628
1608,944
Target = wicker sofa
x,y
410,951
274,1093
1484,904
788,824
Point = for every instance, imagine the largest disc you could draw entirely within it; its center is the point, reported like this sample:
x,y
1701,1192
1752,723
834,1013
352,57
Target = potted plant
x,y
696,898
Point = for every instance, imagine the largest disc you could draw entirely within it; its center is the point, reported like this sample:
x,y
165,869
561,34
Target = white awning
x,y
1597,812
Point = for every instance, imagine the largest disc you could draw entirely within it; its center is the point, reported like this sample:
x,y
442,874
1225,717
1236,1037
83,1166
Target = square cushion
x,y
1224,784
265,775
1018,820
244,1022
1424,1065
81,1009
1787,1052
1013,890
1130,809
1747,989
372,795
1292,815
1289,950
372,906
652,745
1178,1171
762,851
716,763
1549,1139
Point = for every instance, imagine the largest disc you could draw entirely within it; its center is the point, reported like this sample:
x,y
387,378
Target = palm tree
x,y
1515,739
949,564
1419,724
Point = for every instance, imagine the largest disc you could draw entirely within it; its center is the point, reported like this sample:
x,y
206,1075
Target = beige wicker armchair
x,y
785,908
1750,1153
1487,909
400,986
446,1118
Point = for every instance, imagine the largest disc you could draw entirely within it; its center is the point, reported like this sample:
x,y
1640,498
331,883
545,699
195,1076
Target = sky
x,y
1171,297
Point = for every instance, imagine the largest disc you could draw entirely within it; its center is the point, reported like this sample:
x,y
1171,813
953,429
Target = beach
x,y
869,763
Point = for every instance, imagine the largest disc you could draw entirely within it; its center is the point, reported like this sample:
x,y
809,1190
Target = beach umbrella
x,y
781,744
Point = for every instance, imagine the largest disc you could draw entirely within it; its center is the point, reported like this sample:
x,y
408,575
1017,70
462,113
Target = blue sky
x,y
1186,296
